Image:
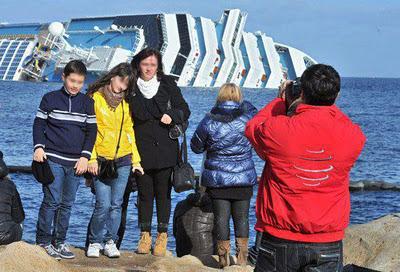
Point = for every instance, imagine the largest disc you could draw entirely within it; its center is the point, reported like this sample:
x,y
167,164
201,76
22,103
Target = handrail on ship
x,y
136,42
17,36
165,34
89,31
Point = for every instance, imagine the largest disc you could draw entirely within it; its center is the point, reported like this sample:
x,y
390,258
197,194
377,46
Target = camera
x,y
293,90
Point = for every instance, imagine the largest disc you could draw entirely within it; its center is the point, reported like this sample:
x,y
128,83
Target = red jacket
x,y
303,193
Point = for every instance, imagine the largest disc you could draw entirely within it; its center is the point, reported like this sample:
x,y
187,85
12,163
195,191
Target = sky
x,y
360,38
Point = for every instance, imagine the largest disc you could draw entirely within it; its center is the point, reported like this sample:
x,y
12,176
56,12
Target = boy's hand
x,y
81,166
138,169
166,119
39,155
93,168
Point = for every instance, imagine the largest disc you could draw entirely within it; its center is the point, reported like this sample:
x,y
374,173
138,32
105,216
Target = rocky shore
x,y
375,245
373,186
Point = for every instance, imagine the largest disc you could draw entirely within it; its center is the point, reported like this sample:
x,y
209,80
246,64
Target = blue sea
x,y
372,103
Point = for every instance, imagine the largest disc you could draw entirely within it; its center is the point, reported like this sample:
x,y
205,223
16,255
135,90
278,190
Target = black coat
x,y
11,209
157,150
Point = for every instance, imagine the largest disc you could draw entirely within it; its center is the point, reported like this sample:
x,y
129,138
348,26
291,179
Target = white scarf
x,y
148,88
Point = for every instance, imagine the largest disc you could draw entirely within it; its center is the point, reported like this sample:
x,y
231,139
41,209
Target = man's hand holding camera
x,y
290,91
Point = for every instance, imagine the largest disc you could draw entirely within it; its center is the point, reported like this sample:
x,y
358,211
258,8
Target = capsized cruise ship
x,y
196,51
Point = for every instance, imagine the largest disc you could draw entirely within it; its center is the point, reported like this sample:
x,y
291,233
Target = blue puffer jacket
x,y
221,134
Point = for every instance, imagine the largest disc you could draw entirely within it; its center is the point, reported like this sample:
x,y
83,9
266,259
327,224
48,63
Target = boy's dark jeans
x,y
55,210
283,255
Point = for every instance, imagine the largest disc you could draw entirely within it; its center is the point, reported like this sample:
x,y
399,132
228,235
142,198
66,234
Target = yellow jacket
x,y
108,127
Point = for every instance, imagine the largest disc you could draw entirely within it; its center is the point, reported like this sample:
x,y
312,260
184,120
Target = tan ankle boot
x,y
223,251
242,250
144,245
160,246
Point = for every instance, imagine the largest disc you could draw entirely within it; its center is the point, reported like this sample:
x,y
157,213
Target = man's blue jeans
x,y
107,211
276,254
55,211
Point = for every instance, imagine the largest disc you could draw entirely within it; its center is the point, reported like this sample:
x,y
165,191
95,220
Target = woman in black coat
x,y
156,105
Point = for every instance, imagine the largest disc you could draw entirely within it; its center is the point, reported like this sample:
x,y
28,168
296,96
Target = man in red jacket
x,y
303,202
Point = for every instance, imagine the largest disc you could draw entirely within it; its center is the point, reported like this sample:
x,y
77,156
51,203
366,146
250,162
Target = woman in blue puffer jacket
x,y
229,174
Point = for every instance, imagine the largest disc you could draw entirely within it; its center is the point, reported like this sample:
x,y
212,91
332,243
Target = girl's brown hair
x,y
123,70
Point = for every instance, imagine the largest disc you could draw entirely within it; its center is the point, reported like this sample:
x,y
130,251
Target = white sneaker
x,y
93,250
111,250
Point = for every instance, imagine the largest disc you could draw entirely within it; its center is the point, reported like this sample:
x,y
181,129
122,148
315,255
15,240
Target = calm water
x,y
372,103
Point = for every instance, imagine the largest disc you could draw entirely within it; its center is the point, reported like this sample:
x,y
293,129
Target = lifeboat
x,y
264,77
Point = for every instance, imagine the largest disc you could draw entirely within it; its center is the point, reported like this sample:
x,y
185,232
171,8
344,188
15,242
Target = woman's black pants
x,y
223,209
154,184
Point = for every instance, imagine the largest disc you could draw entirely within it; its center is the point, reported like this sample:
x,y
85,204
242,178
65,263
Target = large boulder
x,y
23,257
375,245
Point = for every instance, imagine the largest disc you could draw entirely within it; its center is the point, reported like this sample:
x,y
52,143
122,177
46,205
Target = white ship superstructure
x,y
254,69
232,23
211,59
172,44
271,61
196,51
193,54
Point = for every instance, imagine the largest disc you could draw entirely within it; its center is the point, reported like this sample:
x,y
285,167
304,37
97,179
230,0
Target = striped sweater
x,y
65,126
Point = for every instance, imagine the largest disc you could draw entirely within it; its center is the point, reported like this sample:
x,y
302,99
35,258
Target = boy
x,y
64,132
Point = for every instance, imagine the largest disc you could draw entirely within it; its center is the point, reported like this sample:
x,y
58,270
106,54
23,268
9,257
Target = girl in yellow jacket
x,y
115,141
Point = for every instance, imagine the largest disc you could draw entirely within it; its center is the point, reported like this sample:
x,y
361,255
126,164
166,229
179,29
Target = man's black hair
x,y
320,84
76,67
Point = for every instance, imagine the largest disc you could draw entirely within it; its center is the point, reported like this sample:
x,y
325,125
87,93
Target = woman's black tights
x,y
223,208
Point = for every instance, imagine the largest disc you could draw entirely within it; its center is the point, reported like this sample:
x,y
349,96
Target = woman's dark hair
x,y
145,53
122,70
135,63
320,84
76,67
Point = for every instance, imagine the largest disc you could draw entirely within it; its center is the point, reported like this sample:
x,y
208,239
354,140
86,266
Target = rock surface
x,y
373,186
23,257
375,245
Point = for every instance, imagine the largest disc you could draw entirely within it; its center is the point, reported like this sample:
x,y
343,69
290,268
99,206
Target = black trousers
x,y
154,184
283,255
124,213
223,209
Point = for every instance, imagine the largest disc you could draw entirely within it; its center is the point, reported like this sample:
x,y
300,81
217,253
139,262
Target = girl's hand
x,y
138,169
93,168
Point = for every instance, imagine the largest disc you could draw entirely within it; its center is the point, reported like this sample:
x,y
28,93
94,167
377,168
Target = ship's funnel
x,y
56,29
